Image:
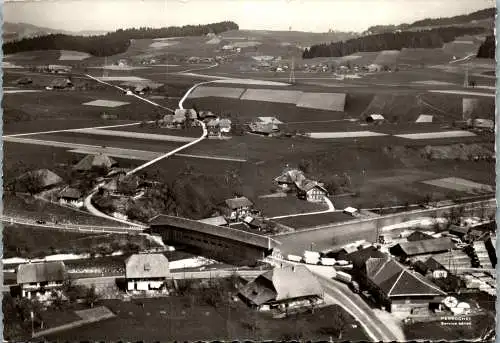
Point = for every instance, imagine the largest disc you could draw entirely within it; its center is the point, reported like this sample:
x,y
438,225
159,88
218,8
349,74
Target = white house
x,y
145,272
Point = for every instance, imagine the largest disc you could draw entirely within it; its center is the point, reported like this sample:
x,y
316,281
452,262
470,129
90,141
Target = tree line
x,y
434,38
456,20
487,49
113,42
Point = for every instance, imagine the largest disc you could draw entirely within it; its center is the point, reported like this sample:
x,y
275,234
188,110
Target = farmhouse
x,y
283,289
397,288
54,68
61,84
71,196
265,129
312,191
145,272
37,278
43,179
289,177
237,207
429,246
95,161
418,236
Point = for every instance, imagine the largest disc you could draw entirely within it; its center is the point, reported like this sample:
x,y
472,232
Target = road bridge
x,y
218,242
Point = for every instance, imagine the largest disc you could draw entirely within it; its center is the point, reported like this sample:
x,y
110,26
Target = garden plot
x,y
352,134
272,95
323,101
121,78
437,135
68,55
140,135
106,103
221,92
461,185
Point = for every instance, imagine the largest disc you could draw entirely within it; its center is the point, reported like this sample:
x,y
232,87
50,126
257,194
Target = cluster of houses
x,y
217,127
294,180
54,69
283,290
181,118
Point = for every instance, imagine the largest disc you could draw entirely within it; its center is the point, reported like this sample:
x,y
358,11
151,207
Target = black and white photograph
x,y
249,170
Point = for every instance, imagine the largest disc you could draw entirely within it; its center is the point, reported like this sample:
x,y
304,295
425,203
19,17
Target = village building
x,y
375,118
70,196
24,81
417,235
459,231
36,279
407,250
265,129
146,272
43,179
60,83
218,221
312,191
95,161
289,177
396,288
54,68
237,207
431,267
284,290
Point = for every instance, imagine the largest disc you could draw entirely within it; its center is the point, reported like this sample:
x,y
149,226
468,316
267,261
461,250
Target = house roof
x,y
220,220
99,160
359,257
395,280
307,185
146,266
459,230
416,236
290,176
281,284
238,202
46,177
70,193
41,272
432,264
424,247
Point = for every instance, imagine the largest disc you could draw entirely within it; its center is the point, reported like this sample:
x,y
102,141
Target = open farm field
x,y
109,141
201,322
151,128
248,110
303,222
282,206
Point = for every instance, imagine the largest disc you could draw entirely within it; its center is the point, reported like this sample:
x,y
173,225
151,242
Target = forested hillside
x,y
391,41
113,42
487,49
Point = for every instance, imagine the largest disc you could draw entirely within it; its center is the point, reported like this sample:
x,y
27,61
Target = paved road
x,y
376,329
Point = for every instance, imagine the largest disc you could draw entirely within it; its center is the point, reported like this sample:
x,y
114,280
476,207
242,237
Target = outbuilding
x,y
375,118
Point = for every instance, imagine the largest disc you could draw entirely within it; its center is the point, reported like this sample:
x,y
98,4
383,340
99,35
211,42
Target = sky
x,y
300,15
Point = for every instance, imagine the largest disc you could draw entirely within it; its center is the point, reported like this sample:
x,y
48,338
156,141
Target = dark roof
x,y
395,280
307,185
427,246
41,272
433,265
281,284
458,230
146,266
70,193
99,160
359,257
416,236
290,176
238,202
